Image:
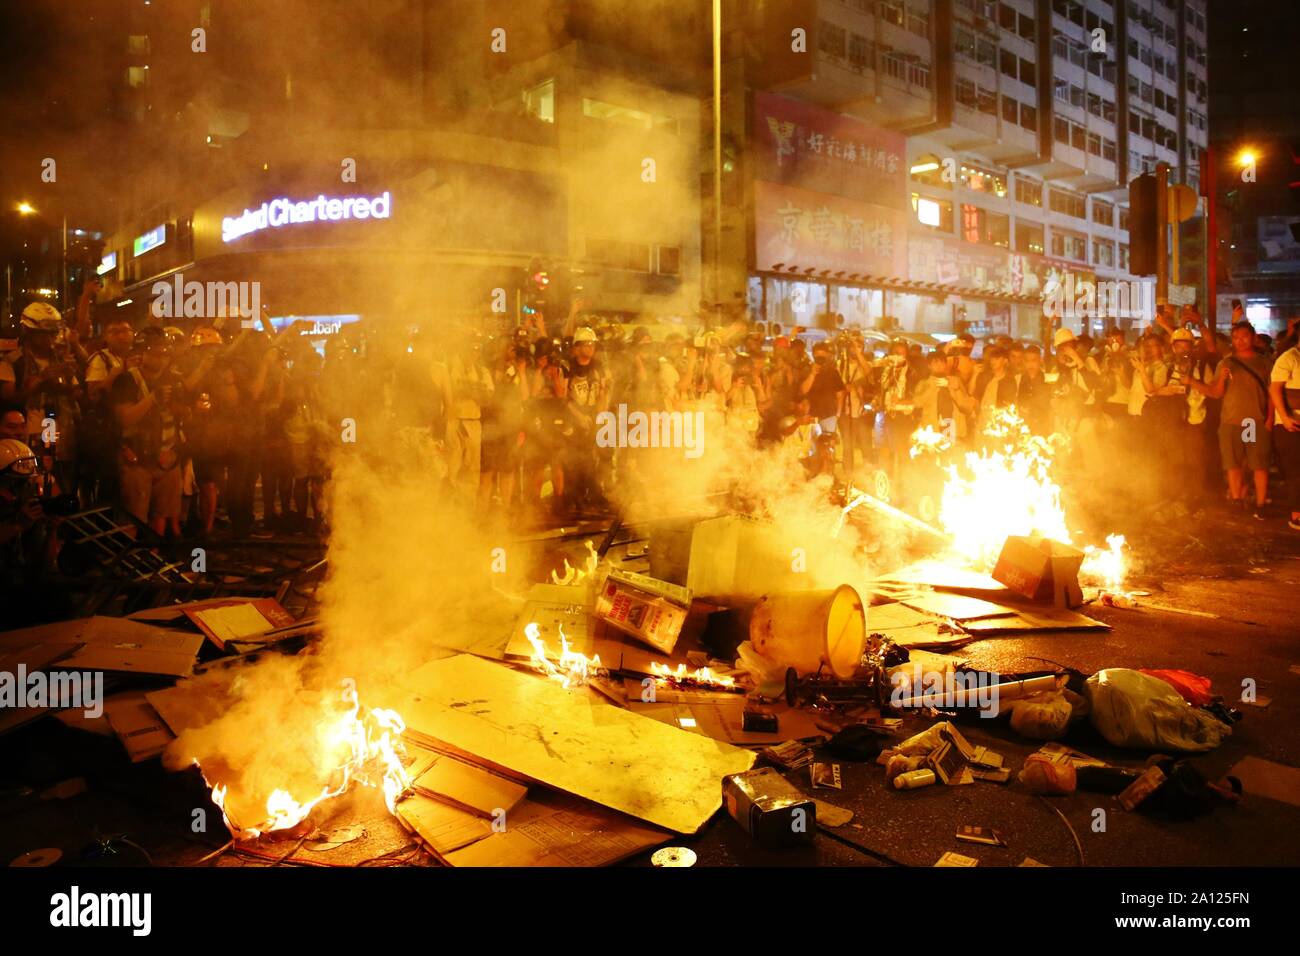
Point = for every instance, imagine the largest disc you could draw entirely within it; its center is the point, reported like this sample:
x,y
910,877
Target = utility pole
x,y
1162,233
717,159
1210,189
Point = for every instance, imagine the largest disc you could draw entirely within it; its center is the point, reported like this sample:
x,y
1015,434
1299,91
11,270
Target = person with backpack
x,y
148,404
1244,435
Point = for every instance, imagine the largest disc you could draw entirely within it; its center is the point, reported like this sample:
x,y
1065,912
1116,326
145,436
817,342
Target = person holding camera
x,y
824,390
148,404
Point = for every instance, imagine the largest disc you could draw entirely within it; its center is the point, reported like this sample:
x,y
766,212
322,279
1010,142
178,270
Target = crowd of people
x,y
191,432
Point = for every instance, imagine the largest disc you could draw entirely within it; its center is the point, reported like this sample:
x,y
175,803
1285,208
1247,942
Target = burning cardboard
x,y
1041,569
651,611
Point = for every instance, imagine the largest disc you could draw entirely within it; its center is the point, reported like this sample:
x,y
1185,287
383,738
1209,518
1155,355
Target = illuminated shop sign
x,y
278,212
150,240
107,264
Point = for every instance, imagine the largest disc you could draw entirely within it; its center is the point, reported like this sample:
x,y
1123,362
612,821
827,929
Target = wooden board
x,y
572,740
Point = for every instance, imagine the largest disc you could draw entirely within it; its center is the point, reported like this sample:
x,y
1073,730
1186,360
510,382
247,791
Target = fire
x,y
572,668
574,575
928,439
368,741
701,675
1107,565
1005,489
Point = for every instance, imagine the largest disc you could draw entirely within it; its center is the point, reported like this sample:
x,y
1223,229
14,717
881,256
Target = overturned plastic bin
x,y
812,630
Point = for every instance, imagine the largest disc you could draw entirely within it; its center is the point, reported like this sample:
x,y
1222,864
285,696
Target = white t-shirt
x,y
1287,370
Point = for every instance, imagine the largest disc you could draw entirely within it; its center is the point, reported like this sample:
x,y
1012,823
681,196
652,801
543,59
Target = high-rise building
x,y
1024,121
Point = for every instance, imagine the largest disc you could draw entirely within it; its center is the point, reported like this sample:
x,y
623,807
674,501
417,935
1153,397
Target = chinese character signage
x,y
800,145
992,270
799,229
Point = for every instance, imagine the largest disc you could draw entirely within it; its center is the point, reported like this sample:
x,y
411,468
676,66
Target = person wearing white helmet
x,y
588,395
20,504
42,376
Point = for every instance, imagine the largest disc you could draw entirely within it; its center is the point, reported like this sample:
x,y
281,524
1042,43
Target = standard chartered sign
x,y
275,213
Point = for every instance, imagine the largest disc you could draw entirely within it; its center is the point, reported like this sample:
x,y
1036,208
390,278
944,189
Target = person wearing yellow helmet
x,y
43,377
20,505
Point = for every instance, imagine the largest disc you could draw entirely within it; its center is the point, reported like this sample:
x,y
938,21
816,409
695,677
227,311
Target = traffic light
x,y
1143,226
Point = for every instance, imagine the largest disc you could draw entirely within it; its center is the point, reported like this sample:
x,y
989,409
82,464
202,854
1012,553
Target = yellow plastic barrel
x,y
808,629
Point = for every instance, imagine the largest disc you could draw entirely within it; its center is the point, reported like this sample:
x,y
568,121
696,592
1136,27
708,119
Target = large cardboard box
x,y
1041,569
651,611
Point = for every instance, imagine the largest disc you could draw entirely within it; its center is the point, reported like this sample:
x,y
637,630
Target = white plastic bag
x,y
1131,709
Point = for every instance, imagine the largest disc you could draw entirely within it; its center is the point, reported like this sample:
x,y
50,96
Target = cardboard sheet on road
x,y
572,740
556,829
469,787
1036,618
113,644
1264,778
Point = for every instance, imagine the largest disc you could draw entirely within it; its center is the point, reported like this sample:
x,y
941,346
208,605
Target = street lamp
x,y
27,209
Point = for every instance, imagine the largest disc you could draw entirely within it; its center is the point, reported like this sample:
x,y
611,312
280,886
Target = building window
x,y
1029,192
137,45
1103,212
928,169
670,260
1070,204
598,109
1069,245
137,76
1103,253
830,39
1029,117
860,57
982,181
1123,257
1029,237
981,225
935,213
539,102
616,254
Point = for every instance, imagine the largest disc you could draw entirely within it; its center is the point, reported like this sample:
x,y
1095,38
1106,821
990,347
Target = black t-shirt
x,y
823,397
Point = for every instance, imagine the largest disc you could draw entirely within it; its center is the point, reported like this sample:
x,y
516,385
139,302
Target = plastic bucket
x,y
808,629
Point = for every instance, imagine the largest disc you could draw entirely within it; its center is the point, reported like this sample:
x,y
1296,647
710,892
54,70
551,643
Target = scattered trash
x,y
826,775
1044,716
790,755
915,779
46,856
1141,788
1132,709
856,742
1194,688
1030,861
829,815
769,808
1041,570
956,859
811,630
329,840
759,719
1042,775
673,856
651,611
968,834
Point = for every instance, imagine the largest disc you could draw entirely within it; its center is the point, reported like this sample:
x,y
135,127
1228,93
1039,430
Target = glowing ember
x,y
701,676
368,742
1107,565
574,575
572,669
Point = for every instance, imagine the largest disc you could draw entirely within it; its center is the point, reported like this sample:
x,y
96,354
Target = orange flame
x,y
574,575
701,675
372,740
572,668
